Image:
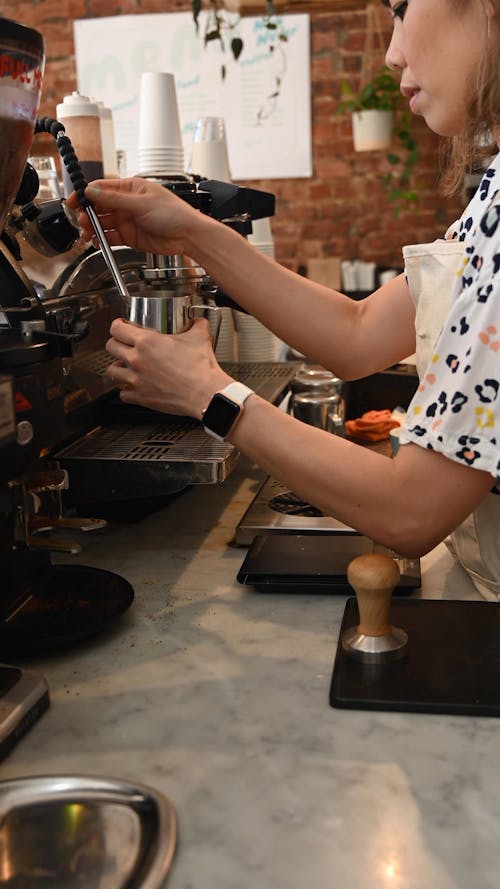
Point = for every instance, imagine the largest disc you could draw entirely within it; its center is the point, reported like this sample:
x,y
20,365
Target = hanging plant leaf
x,y
236,47
196,9
222,22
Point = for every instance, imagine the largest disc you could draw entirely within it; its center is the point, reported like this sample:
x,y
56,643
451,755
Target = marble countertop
x,y
217,695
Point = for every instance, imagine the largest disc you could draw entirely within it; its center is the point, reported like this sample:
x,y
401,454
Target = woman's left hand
x,y
175,374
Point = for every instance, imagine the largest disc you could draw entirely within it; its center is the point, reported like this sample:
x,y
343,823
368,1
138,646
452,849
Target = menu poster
x,y
264,96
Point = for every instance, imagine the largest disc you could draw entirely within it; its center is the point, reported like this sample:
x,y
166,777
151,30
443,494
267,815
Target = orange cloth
x,y
372,426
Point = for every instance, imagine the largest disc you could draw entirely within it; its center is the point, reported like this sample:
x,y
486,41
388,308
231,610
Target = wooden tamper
x,y
373,577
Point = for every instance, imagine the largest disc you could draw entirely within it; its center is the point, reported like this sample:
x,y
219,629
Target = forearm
x,y
409,503
321,323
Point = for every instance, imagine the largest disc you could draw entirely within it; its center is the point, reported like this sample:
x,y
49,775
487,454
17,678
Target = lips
x,y
414,101
411,93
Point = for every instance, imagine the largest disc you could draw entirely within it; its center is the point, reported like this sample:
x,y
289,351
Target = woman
x,y
448,464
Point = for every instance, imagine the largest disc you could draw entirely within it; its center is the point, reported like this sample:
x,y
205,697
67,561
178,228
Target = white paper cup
x,y
167,160
226,349
159,125
262,237
255,342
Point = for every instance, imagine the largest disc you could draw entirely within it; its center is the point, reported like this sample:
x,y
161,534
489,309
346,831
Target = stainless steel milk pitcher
x,y
316,398
171,295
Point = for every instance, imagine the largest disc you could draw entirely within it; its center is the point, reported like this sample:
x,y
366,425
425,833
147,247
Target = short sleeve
x,y
456,409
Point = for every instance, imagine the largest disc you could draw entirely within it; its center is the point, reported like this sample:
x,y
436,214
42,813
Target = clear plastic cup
x,y
209,156
50,189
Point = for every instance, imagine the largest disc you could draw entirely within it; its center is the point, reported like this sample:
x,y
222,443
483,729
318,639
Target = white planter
x,y
372,129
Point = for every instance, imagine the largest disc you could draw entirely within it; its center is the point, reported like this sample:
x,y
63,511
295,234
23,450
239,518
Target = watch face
x,y
221,414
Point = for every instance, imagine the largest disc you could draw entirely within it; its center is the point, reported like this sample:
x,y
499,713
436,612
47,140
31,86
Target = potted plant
x,y
378,119
373,110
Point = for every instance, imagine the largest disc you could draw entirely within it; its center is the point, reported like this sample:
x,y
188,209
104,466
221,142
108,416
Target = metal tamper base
x,y
373,577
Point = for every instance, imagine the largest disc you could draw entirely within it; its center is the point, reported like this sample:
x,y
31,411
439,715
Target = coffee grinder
x,y
35,594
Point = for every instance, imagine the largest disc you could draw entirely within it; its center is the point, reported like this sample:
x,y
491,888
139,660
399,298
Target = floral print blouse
x,y
456,409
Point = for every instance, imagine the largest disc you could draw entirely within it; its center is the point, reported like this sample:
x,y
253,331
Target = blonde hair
x,y
461,153
477,141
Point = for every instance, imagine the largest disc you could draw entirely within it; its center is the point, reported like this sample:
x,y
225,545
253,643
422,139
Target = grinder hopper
x,y
22,62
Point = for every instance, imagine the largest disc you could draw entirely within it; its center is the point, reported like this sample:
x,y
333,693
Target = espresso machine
x,y
67,442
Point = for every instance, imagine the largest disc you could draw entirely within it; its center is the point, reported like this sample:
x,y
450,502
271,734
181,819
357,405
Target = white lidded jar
x,y
82,124
108,140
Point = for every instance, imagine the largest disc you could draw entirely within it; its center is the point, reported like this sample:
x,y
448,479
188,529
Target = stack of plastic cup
x,y
160,150
209,152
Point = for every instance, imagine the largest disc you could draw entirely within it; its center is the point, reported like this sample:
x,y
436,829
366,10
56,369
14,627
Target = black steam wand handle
x,y
70,160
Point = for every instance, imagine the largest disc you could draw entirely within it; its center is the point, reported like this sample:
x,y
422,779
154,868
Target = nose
x,y
394,58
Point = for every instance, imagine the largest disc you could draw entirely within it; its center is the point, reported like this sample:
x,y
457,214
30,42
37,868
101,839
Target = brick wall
x,y
342,210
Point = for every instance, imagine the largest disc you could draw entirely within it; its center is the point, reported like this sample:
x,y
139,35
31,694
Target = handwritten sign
x,y
268,126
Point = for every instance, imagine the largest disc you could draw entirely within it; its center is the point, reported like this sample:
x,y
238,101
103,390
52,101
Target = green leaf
x,y
236,47
212,35
196,9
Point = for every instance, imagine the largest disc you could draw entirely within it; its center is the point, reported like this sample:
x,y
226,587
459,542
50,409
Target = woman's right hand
x,y
138,213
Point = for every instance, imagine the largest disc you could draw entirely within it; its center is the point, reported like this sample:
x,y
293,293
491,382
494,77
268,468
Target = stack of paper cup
x,y
209,156
261,236
160,144
256,342
226,349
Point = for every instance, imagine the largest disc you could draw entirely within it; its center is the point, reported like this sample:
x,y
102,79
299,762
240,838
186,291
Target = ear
x,y
489,11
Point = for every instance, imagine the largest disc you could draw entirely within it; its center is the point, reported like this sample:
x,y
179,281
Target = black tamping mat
x,y
451,664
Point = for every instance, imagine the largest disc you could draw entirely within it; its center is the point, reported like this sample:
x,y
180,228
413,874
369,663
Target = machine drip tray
x,y
452,663
76,602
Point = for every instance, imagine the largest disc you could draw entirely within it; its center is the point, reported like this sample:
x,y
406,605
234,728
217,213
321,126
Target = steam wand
x,y
70,160
106,251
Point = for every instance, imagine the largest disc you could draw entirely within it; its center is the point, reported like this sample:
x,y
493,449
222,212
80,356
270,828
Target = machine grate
x,y
178,442
95,362
289,504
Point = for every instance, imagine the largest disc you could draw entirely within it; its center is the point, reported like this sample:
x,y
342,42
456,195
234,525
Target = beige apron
x,y
431,271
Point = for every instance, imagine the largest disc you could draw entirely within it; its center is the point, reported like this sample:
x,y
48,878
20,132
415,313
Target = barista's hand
x,y
176,374
137,213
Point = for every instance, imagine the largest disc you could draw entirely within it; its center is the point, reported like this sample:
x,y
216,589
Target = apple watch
x,y
224,410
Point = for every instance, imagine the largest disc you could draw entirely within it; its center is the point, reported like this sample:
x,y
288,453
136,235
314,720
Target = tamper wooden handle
x,y
373,577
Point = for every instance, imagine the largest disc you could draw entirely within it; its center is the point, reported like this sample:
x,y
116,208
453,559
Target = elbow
x,y
411,536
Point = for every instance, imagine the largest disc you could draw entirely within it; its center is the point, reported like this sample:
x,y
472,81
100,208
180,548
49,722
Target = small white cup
x,y
394,439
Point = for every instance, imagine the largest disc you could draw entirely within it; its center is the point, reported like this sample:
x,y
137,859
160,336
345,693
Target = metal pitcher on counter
x,y
316,398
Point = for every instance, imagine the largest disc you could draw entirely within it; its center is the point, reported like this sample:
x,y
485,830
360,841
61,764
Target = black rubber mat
x,y
452,662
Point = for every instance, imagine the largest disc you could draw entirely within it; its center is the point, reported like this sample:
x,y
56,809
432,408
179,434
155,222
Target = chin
x,y
451,124
444,128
